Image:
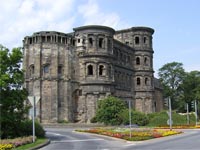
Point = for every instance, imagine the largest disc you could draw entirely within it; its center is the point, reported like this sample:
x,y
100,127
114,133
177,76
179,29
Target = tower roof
x,y
94,27
139,28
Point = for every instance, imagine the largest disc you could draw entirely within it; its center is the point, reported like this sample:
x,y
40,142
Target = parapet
x,y
48,37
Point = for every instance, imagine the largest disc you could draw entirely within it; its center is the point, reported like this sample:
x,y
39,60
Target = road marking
x,y
85,140
57,134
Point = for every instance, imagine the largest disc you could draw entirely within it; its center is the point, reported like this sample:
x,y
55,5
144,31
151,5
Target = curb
x,y
41,145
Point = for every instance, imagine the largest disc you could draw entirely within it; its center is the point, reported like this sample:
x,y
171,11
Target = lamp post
x,y
170,114
129,107
196,115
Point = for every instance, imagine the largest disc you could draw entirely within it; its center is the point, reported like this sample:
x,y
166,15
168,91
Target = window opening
x,y
137,61
79,40
138,81
127,43
100,42
32,69
46,69
80,92
59,69
30,40
83,41
137,40
101,68
145,60
48,39
145,40
90,41
146,81
43,38
90,70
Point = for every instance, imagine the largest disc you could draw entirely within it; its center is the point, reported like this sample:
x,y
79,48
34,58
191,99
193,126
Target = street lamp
x,y
129,107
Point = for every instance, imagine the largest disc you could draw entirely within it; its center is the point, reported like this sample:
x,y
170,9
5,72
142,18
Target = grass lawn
x,y
31,145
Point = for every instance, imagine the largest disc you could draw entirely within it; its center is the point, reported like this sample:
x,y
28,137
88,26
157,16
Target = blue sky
x,y
176,23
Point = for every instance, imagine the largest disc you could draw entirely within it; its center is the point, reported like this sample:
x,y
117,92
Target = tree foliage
x,y
191,87
171,76
109,109
12,94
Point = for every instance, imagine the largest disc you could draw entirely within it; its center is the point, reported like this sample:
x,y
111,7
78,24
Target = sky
x,y
176,23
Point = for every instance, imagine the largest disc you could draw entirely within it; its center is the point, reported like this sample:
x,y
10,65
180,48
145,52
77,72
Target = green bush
x,y
63,121
26,129
109,109
137,117
94,120
160,119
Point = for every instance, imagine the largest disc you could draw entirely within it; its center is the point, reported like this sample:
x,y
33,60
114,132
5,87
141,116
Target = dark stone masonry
x,y
71,72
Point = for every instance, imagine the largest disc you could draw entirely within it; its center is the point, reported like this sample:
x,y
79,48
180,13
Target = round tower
x,y
143,67
94,48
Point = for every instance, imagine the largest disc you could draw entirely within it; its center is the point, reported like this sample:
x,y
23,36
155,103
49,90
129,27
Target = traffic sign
x,y
168,122
31,99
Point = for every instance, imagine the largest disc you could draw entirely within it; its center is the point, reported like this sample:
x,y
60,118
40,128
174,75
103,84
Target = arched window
x,y
32,70
100,42
137,61
101,70
145,40
146,81
145,60
137,40
90,70
138,81
90,41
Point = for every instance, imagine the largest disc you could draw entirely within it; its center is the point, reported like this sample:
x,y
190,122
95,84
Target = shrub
x,y
27,129
138,118
109,109
94,120
63,121
160,119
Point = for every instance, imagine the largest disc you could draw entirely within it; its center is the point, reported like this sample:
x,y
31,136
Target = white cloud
x,y
92,14
24,17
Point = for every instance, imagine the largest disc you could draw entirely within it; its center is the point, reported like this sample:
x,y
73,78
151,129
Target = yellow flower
x,y
6,146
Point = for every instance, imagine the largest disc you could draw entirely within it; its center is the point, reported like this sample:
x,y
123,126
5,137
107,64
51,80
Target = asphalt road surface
x,y
67,139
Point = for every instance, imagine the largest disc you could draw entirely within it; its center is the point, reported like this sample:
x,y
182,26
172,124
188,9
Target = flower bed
x,y
7,144
180,127
136,134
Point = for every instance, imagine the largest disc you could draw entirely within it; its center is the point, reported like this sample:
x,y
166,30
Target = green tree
x,y
171,76
109,109
191,87
12,94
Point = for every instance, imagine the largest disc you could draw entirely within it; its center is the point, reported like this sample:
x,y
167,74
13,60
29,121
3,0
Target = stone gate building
x,y
71,72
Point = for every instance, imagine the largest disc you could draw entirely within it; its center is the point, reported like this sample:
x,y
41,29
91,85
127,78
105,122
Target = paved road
x,y
66,139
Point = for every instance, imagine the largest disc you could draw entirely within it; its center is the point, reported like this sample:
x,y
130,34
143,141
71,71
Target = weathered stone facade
x,y
71,72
